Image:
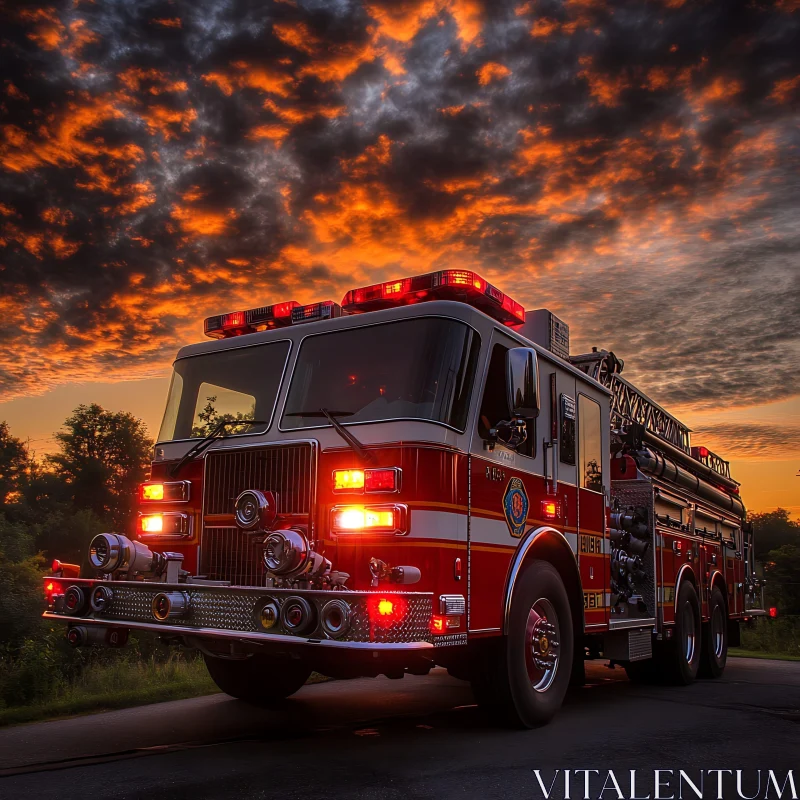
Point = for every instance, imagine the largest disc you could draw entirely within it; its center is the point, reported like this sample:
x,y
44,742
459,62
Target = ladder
x,y
628,404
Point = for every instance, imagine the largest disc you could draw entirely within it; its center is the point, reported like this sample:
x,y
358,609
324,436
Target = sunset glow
x,y
632,167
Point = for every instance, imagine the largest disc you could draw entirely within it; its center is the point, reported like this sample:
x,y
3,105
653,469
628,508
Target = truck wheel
x,y
257,680
680,657
714,654
525,682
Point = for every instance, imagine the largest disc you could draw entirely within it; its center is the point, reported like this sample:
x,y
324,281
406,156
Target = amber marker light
x,y
153,491
164,491
348,480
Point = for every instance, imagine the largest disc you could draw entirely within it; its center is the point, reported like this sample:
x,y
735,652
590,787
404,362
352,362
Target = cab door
x,y
506,490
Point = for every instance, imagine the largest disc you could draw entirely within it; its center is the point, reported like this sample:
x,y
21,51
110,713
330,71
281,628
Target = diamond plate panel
x,y
234,610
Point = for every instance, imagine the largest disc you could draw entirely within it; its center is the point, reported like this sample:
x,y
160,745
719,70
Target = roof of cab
x,y
451,309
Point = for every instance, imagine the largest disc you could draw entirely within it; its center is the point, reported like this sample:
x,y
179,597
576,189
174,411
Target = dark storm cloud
x,y
632,165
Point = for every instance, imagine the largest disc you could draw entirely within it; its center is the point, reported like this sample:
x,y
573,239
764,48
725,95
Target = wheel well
x,y
718,580
686,573
554,549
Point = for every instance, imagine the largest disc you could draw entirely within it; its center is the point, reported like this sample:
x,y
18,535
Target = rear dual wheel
x,y
714,654
677,660
522,679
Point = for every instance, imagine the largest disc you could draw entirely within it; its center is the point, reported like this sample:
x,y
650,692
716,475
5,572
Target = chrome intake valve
x,y
285,551
113,552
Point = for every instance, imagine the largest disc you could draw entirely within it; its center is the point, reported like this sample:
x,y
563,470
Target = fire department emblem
x,y
515,505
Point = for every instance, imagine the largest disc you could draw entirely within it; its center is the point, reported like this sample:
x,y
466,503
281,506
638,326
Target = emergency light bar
x,y
255,319
448,284
279,315
316,312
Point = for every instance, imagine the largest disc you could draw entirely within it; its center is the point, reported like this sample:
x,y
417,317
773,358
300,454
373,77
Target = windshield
x,y
240,384
419,369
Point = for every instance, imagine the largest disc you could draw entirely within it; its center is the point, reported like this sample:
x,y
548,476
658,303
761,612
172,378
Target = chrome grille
x,y
283,469
226,553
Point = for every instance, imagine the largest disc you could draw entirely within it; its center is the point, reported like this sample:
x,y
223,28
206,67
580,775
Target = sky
x,y
633,166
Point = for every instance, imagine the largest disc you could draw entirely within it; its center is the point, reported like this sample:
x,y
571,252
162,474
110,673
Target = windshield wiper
x,y
359,448
206,441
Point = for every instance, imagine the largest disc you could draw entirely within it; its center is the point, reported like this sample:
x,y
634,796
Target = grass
x,y
122,685
738,651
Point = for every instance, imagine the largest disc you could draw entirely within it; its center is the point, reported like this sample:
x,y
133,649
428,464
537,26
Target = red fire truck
x,y
419,475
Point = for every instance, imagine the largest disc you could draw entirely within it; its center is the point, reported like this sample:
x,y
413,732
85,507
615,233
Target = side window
x,y
494,405
566,436
590,458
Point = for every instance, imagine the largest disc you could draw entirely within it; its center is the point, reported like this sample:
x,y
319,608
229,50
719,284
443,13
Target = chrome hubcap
x,y
689,632
542,644
718,632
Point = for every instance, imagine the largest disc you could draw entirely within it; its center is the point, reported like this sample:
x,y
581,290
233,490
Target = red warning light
x,y
387,610
449,284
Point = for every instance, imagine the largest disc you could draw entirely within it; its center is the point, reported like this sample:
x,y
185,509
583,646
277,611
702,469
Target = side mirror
x,y
522,382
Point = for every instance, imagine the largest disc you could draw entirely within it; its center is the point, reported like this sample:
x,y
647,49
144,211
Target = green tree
x,y
782,571
209,418
103,456
773,529
13,464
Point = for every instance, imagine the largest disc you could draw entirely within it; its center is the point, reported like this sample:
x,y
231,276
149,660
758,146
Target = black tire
x,y
522,680
680,657
257,680
714,653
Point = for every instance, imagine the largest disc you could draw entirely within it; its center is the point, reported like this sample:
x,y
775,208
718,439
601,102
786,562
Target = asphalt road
x,y
419,737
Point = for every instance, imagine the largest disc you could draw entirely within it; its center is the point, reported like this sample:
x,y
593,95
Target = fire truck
x,y
421,475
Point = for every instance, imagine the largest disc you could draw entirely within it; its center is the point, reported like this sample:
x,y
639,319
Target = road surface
x,y
419,737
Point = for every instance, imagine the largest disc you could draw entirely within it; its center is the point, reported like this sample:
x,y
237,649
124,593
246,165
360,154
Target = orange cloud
x,y
492,71
169,122
784,89
277,133
403,21
57,216
720,89
606,89
244,75
203,222
48,31
297,35
159,82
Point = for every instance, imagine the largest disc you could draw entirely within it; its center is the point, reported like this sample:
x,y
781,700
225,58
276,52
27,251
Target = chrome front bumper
x,y
232,613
